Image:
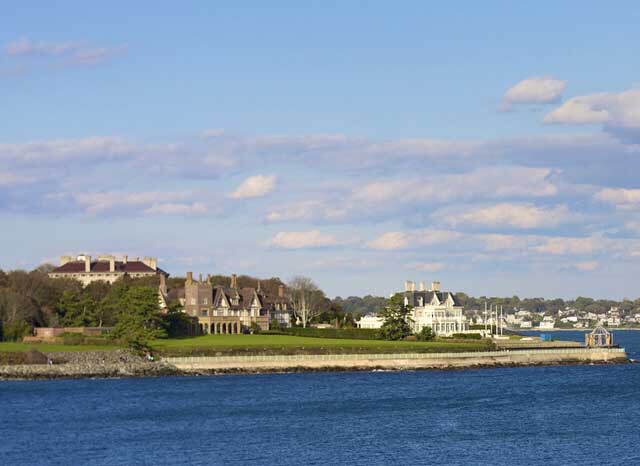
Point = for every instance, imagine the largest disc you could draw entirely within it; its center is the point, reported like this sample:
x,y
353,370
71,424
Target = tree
x,y
396,319
306,298
426,334
139,319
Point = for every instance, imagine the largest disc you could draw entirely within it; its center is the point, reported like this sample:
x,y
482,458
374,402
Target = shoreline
x,y
121,364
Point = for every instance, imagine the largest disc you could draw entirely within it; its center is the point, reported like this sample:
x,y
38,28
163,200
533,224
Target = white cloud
x,y
10,179
623,199
576,246
614,109
586,265
177,209
534,90
73,52
521,215
427,266
25,46
303,239
103,201
305,210
395,240
66,149
491,183
213,133
254,186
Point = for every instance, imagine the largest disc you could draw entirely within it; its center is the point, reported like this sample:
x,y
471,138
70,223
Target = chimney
x,y
409,286
189,278
259,287
435,286
124,260
112,264
281,291
151,262
422,288
65,260
209,278
200,278
87,263
234,281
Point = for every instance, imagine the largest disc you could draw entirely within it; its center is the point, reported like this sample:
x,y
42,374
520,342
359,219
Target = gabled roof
x,y
427,296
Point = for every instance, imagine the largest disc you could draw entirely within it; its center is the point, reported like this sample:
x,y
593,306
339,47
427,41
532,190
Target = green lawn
x,y
44,347
270,344
287,344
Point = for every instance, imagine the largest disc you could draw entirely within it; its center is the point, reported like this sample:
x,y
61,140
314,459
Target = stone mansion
x,y
222,310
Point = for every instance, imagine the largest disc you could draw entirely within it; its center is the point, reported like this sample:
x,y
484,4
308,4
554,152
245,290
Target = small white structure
x,y
547,323
370,321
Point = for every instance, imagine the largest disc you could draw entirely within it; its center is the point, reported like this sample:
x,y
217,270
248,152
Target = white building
x,y
370,321
433,308
547,323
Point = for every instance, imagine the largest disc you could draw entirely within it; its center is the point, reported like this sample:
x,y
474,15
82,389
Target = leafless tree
x,y
306,298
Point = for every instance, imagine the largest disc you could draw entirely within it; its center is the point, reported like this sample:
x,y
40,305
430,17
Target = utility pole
x,y
485,318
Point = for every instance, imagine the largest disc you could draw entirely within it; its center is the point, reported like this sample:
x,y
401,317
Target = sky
x,y
491,146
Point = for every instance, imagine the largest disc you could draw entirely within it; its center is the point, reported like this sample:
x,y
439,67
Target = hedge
x,y
345,333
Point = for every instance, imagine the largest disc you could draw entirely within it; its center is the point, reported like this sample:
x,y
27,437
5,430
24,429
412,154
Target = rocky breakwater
x,y
89,364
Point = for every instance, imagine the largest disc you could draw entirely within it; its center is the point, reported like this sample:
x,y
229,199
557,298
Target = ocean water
x,y
586,415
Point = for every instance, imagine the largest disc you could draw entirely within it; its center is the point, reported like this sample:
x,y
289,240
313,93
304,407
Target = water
x,y
584,415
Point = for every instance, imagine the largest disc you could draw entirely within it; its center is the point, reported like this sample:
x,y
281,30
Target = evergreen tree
x,y
396,319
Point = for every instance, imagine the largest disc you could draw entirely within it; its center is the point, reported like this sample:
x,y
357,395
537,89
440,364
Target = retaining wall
x,y
401,361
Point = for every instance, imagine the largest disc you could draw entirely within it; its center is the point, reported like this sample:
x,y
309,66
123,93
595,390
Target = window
x,y
204,301
204,313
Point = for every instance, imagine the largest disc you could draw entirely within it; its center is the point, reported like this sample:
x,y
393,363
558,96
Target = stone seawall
x,y
411,361
121,363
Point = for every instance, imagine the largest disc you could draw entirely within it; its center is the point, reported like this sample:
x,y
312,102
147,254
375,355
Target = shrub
x,y
426,334
14,331
345,333
468,336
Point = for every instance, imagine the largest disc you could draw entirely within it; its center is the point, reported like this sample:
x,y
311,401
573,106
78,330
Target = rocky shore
x,y
89,364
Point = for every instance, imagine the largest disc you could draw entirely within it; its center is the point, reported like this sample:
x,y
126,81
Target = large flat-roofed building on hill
x,y
105,268
222,310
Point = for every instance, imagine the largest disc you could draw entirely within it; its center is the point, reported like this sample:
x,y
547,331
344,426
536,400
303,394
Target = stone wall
x,y
409,361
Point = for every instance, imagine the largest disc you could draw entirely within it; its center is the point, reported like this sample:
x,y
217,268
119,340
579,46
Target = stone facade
x,y
222,310
105,268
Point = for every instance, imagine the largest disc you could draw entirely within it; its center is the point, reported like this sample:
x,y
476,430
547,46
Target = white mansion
x,y
433,308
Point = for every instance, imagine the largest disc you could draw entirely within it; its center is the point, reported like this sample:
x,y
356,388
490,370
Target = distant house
x,y
525,324
547,323
371,321
105,268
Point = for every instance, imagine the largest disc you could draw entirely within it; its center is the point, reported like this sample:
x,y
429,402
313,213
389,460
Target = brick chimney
x,y
435,286
409,286
234,281
124,259
65,259
112,264
87,263
281,291
422,287
189,278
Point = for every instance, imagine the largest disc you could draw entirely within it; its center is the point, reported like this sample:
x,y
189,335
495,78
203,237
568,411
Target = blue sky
x,y
491,146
